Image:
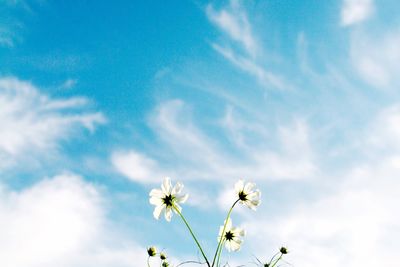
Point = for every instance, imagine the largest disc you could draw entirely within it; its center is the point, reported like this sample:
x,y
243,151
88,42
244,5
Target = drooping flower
x,y
168,199
247,194
232,236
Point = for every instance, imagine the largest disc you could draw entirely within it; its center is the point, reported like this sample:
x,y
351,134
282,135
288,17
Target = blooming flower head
x,y
231,236
168,199
247,194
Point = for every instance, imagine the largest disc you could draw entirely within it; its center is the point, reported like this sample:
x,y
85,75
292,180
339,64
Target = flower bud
x,y
151,251
283,250
163,256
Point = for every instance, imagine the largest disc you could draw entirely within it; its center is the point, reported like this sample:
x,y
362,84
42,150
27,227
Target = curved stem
x,y
223,231
148,261
186,262
191,232
273,257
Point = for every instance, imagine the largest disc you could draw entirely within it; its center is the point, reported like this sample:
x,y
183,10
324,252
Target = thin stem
x,y
223,231
273,257
280,257
219,254
186,262
148,261
191,232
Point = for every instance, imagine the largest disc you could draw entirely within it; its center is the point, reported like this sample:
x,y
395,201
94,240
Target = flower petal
x,y
235,246
239,186
177,188
228,245
156,201
157,211
168,214
181,199
166,186
156,193
249,187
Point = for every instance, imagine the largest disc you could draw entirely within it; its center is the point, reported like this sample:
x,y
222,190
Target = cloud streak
x,y
32,122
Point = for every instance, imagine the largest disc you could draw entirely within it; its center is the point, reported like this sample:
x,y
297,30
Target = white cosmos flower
x,y
231,236
247,194
167,198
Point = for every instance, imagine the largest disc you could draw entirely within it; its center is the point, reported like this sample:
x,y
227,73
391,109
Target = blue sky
x,y
99,101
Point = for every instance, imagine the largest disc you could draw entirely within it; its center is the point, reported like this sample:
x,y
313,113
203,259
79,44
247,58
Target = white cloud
x,y
136,166
356,11
377,58
61,222
353,222
32,122
234,22
353,226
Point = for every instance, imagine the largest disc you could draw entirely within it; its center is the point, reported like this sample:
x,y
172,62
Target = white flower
x,y
231,236
247,194
167,199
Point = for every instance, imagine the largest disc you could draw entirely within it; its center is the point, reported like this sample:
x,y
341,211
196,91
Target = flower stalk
x,y
191,232
223,231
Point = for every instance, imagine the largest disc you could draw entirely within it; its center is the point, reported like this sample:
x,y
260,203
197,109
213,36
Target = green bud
x,y
283,250
163,256
151,251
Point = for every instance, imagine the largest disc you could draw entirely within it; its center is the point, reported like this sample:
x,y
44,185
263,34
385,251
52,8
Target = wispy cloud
x,y
69,83
356,11
32,122
233,21
6,37
178,134
376,57
266,78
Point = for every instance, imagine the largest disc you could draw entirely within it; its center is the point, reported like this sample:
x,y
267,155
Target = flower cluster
x,y
168,200
152,252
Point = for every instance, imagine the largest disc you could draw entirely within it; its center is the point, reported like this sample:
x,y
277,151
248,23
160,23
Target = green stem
x,y
273,257
223,231
280,257
148,261
219,253
191,232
